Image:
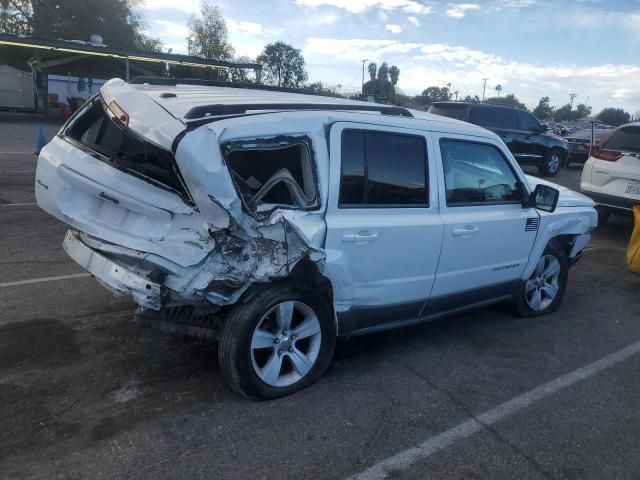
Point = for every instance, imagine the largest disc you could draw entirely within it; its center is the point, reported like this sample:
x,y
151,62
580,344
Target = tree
x,y
118,22
372,68
435,94
282,65
208,33
563,113
469,98
614,116
498,89
383,72
510,99
320,88
241,74
394,75
543,111
582,111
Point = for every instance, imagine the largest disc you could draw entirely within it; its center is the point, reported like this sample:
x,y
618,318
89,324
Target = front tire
x,y
552,164
542,292
279,341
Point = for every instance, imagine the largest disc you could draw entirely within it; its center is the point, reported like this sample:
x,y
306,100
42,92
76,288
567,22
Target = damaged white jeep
x,y
276,221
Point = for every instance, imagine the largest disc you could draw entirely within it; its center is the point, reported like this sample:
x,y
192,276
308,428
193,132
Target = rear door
x,y
384,233
532,147
502,121
488,235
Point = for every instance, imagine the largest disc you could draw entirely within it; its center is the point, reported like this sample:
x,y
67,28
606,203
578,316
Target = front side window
x,y
383,169
528,122
494,117
477,174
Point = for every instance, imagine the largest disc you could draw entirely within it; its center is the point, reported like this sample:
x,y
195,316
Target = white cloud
x,y
393,28
459,10
439,64
414,21
359,6
171,29
190,6
251,28
518,3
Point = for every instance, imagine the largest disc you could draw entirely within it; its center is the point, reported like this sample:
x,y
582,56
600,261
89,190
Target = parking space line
x,y
406,458
18,204
43,279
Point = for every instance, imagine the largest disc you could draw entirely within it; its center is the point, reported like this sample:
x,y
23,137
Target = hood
x,y
568,197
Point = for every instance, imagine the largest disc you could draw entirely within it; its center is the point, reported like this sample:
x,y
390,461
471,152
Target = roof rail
x,y
172,82
219,109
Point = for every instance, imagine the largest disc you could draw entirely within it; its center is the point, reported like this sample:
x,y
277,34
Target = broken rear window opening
x,y
271,173
121,148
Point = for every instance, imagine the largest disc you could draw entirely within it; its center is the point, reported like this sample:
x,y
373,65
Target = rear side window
x,y
457,111
273,173
383,169
494,117
528,122
477,174
625,139
122,149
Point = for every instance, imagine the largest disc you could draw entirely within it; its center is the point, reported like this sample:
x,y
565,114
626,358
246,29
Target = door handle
x,y
361,236
465,231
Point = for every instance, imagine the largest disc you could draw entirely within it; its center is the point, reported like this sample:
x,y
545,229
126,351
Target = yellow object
x,y
633,251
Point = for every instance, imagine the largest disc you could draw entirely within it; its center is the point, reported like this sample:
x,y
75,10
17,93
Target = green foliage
x,y
320,88
469,98
565,113
510,99
384,85
209,34
543,111
118,22
282,65
434,94
614,116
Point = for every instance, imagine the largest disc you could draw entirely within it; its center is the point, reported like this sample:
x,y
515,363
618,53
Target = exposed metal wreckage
x,y
244,248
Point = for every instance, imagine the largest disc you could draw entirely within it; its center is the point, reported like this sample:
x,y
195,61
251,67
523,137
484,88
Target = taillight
x,y
118,112
597,152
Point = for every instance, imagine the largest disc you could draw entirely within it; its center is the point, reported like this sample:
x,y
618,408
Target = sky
x,y
532,48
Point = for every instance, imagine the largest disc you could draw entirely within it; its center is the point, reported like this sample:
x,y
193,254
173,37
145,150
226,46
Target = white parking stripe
x,y
18,204
404,459
43,279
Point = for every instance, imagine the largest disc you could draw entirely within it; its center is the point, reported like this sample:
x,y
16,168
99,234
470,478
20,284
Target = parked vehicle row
x,y
611,176
524,135
286,220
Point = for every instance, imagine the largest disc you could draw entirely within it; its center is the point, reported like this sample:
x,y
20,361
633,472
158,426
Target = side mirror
x,y
544,198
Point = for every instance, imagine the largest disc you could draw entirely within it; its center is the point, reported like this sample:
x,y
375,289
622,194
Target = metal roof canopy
x,y
90,49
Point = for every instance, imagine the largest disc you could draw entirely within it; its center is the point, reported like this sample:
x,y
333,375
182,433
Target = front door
x,y
488,235
384,233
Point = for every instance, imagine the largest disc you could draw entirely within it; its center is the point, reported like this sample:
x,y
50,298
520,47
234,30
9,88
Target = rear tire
x,y
553,162
278,342
542,293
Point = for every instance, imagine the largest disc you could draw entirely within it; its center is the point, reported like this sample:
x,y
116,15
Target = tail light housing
x,y
607,156
118,113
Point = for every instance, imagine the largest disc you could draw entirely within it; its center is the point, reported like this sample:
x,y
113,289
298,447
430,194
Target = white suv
x,y
278,221
611,176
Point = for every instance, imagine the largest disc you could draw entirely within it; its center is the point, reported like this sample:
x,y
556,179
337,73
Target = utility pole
x,y
572,96
364,60
484,88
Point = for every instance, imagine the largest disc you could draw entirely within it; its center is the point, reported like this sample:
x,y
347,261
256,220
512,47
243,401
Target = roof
x,y
483,104
192,102
86,48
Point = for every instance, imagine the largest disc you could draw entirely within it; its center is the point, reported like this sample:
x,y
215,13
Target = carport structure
x,y
102,61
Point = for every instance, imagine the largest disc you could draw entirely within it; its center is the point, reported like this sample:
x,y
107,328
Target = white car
x,y
611,176
283,220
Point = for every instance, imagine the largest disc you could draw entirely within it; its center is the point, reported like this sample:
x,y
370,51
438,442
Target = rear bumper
x,y
115,277
611,201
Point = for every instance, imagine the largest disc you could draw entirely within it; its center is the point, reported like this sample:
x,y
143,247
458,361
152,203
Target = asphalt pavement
x,y
87,393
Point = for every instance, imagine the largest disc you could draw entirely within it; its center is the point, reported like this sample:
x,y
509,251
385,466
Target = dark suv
x,y
525,136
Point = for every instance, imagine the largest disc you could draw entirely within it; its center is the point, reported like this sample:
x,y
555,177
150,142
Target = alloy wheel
x,y
554,162
543,286
285,343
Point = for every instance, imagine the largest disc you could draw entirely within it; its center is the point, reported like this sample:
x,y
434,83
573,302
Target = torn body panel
x,y
146,243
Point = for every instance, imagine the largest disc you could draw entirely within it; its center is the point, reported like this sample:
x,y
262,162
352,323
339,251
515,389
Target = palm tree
x,y
498,89
456,94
